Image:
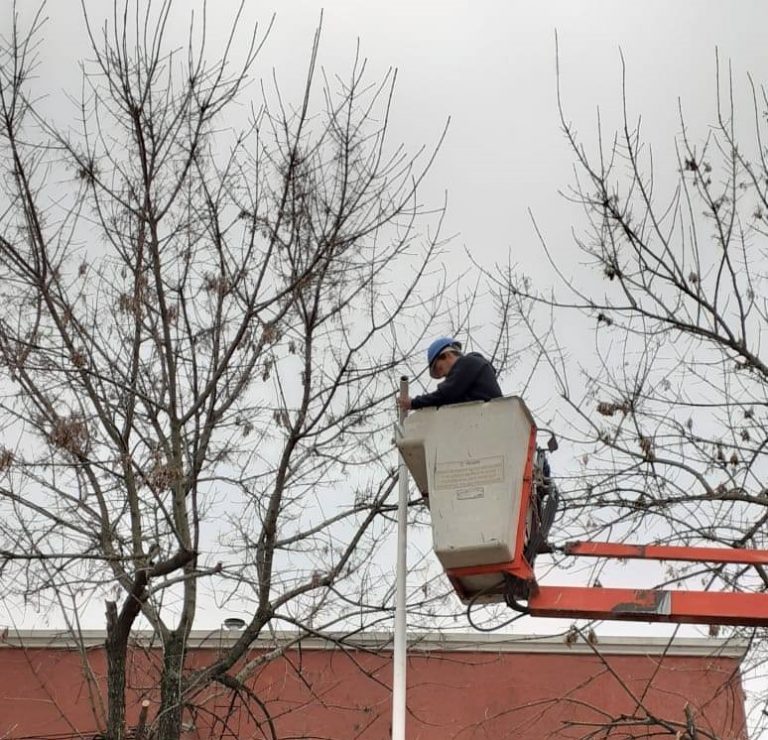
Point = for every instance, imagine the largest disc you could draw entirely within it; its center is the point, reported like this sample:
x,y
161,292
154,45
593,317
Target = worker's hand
x,y
404,402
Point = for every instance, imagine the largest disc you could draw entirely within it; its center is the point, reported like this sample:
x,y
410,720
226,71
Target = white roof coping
x,y
417,642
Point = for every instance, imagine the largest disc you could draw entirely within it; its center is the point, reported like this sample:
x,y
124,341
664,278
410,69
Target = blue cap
x,y
434,350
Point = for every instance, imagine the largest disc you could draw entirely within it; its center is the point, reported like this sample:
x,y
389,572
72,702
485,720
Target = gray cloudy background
x,y
490,68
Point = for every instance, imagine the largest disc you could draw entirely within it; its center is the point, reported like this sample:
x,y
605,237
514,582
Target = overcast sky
x,y
490,67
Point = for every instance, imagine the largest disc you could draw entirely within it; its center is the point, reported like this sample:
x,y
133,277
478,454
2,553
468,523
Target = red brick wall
x,y
343,695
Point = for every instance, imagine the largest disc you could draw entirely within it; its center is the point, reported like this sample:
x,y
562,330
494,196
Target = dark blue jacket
x,y
472,378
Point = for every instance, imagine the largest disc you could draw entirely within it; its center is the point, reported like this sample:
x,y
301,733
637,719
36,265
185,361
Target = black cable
x,y
544,504
510,597
473,601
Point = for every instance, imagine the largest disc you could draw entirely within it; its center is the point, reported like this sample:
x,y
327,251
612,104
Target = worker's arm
x,y
455,386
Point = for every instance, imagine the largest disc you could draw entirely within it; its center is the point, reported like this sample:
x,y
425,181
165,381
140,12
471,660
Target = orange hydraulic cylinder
x,y
667,552
651,605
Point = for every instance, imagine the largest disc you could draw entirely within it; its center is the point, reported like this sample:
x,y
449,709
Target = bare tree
x,y
199,324
666,411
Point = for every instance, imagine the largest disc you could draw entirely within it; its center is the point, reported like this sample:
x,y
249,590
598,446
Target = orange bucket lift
x,y
492,503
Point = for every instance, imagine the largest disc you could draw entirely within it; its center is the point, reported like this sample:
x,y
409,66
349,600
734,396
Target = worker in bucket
x,y
467,377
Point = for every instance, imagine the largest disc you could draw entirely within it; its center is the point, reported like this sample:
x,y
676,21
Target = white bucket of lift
x,y
470,461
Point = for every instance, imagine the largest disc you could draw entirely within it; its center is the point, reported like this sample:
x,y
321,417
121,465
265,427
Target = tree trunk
x,y
116,645
169,716
118,632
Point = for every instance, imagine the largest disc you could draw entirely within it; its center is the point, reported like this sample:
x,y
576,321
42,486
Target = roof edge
x,y
417,642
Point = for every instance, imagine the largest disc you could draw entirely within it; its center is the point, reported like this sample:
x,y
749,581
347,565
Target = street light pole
x,y
400,649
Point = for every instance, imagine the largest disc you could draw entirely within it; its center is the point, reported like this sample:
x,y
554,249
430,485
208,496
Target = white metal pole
x,y
399,661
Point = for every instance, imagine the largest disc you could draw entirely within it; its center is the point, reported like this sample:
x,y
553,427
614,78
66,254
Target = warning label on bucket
x,y
465,493
469,475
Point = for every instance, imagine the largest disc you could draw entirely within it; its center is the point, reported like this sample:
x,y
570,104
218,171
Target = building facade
x,y
461,687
